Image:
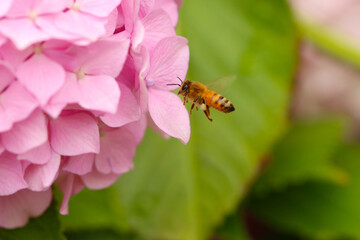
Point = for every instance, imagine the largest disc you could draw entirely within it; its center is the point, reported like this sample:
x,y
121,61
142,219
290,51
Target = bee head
x,y
185,86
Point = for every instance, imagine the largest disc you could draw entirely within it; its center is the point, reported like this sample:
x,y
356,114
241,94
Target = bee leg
x,y
208,113
192,106
185,97
206,110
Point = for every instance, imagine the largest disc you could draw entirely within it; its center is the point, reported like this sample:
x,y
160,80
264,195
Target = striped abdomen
x,y
218,102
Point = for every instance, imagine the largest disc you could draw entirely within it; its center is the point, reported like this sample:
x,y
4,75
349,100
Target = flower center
x,y
32,15
38,48
75,6
102,132
80,74
149,82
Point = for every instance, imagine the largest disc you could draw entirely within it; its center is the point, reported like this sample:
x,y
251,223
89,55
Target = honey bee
x,y
203,98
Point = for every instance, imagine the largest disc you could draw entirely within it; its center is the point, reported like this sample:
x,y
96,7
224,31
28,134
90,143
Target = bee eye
x,y
185,87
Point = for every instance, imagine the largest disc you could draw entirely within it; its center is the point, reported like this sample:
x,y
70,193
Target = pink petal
x,y
130,10
138,128
143,96
2,149
143,92
117,151
141,60
106,57
81,24
17,208
47,24
157,26
168,61
39,155
145,7
120,21
41,76
155,128
171,7
55,45
128,110
96,180
3,40
179,2
46,6
54,109
22,32
5,6
27,134
74,134
41,177
70,185
71,57
111,23
20,8
80,164
16,104
169,114
13,57
100,93
6,76
100,8
128,73
68,93
11,175
138,35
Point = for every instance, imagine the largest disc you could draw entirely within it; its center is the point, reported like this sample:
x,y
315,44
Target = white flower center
x,y
149,82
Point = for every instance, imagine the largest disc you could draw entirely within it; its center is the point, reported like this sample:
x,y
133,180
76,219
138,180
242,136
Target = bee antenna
x,y
174,84
180,80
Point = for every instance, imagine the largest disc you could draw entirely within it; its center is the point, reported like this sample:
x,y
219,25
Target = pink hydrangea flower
x,y
80,80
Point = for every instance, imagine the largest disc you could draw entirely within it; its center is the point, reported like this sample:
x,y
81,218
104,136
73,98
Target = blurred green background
x,y
284,165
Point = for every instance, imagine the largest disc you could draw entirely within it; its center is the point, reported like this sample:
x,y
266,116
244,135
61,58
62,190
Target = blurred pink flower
x,y
326,84
338,16
77,80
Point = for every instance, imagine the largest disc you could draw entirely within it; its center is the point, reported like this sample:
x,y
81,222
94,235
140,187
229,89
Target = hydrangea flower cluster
x,y
79,82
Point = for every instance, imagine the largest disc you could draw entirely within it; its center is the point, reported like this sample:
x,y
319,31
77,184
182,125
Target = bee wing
x,y
221,84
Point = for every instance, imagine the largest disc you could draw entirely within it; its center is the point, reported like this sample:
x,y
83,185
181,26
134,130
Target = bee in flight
x,y
203,98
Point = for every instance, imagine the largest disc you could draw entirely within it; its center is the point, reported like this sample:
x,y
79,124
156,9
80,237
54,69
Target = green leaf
x,y
103,234
233,228
94,210
47,226
304,154
183,192
318,210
